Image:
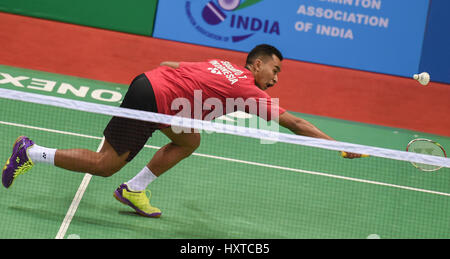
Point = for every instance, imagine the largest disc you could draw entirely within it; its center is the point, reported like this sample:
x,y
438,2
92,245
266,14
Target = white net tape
x,y
223,128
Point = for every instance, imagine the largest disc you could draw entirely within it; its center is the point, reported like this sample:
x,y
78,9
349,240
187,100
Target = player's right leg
x,y
104,163
18,163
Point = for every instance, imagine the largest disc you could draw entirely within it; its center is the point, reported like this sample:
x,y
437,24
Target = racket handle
x,y
344,154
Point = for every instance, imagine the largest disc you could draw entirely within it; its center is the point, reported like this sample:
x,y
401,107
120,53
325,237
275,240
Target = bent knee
x,y
105,168
191,146
106,172
107,162
193,142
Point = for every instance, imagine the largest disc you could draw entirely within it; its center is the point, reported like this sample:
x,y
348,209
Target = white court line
x,y
87,177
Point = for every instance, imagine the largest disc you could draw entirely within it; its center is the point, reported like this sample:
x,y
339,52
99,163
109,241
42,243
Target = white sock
x,y
141,180
40,154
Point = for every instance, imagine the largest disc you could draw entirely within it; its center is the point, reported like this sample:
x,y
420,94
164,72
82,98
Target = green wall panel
x,y
134,16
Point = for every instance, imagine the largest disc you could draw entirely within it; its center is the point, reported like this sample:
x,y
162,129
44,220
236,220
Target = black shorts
x,y
131,135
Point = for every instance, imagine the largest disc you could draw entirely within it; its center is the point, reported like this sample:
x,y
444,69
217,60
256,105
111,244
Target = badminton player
x,y
156,91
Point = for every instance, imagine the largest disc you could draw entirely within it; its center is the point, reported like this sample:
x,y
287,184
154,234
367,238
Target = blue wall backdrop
x,y
436,48
384,36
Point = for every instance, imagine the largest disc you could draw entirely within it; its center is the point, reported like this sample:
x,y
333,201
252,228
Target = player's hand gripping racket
x,y
352,155
428,147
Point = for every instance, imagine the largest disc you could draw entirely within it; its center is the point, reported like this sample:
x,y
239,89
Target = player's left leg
x,y
182,146
133,192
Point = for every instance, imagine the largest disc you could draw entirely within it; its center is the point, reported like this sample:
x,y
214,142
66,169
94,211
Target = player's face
x,y
266,74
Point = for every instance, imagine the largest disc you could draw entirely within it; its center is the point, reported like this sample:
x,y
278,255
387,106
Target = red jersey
x,y
207,90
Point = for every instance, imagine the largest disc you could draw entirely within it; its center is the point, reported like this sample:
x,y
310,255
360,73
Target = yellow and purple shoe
x,y
19,162
139,201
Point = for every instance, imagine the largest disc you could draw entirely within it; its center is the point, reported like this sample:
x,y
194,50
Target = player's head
x,y
265,63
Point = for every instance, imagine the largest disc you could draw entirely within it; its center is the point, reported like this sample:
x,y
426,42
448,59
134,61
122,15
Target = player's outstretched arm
x,y
171,64
300,126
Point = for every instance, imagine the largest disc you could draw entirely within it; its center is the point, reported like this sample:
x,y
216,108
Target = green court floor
x,y
232,187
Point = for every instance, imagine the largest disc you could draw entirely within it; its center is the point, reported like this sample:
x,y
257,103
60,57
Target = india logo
x,y
229,20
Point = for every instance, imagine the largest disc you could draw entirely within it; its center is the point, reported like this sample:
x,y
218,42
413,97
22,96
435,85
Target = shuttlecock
x,y
423,78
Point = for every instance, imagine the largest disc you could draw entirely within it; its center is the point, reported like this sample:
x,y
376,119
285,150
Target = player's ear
x,y
258,64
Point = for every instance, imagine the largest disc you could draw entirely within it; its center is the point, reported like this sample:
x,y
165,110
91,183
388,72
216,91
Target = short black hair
x,y
263,50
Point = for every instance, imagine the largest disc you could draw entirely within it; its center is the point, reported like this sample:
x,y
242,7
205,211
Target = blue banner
x,y
383,36
436,46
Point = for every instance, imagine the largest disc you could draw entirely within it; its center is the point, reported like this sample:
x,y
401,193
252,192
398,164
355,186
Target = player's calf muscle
x,y
87,161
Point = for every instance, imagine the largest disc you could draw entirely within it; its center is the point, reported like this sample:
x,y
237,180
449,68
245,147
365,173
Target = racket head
x,y
427,147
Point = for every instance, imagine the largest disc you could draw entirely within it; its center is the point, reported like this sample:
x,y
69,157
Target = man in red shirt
x,y
165,90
